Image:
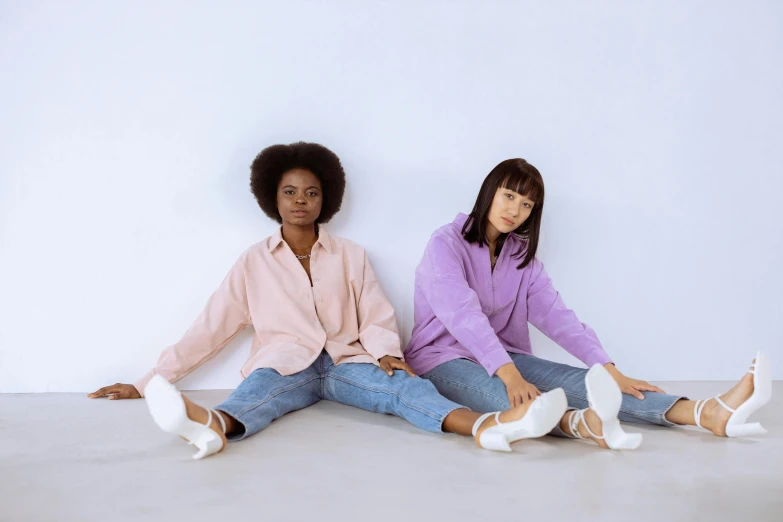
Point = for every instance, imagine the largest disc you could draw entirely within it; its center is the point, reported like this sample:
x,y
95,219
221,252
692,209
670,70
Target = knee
x,y
413,384
480,400
414,387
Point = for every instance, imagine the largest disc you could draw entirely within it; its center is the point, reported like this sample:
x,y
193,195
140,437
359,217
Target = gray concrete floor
x,y
66,458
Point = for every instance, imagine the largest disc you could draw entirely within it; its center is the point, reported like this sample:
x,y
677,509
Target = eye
x,y
312,194
288,192
510,196
528,205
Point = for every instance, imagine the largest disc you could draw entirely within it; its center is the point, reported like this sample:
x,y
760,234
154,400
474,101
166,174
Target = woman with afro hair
x,y
324,329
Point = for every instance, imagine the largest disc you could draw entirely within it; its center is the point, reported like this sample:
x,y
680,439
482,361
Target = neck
x,y
492,234
301,238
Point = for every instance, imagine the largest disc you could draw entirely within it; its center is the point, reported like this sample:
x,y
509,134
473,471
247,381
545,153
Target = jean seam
x,y
278,392
430,414
473,389
322,376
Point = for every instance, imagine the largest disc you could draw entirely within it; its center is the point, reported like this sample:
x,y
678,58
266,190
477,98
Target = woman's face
x,y
509,210
299,197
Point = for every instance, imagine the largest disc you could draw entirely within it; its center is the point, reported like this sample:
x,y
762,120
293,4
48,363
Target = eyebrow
x,y
308,188
520,195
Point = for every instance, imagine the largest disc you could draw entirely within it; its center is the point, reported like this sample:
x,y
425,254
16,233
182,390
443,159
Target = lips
x,y
299,213
508,222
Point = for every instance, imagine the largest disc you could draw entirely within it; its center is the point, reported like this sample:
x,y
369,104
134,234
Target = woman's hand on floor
x,y
117,391
631,386
517,388
389,364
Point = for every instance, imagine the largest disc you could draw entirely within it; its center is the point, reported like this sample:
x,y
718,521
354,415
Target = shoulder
x,y
256,249
341,243
448,237
346,246
446,250
535,269
253,256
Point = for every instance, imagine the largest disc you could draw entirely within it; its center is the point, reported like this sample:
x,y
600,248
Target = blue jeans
x,y
466,382
266,395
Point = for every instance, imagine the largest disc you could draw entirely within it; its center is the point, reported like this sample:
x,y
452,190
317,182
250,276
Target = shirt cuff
x,y
142,383
597,357
494,360
383,352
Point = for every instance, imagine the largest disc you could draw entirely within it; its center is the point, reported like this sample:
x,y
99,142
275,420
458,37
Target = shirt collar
x,y
323,239
461,219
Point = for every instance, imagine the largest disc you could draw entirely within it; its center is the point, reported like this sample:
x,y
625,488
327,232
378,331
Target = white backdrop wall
x,y
127,130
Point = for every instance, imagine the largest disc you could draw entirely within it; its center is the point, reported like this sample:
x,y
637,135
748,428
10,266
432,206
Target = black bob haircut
x,y
523,178
268,168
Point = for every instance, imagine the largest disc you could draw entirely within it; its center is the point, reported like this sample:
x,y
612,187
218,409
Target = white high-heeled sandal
x,y
605,399
540,418
168,410
762,393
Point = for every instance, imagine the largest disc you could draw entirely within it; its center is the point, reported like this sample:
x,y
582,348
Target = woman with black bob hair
x,y
478,286
324,328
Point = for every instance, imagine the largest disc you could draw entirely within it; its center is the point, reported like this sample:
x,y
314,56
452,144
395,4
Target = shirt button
x,y
317,280
320,300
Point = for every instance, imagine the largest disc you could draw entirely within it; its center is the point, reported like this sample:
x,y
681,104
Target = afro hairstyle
x,y
268,168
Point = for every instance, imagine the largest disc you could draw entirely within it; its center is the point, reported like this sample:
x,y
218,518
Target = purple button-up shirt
x,y
464,310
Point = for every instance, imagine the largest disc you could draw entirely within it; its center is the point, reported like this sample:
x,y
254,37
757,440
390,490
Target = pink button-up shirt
x,y
345,312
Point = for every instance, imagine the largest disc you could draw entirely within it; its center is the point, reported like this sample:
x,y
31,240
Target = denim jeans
x,y
266,395
467,383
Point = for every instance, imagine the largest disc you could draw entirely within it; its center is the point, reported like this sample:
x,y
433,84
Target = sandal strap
x,y
222,422
208,424
481,420
726,406
697,409
588,427
573,422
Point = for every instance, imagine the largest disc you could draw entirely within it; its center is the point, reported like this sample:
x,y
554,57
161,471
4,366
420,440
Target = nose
x,y
300,200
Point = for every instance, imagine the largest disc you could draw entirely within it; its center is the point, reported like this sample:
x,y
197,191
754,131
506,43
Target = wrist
x,y
508,371
612,369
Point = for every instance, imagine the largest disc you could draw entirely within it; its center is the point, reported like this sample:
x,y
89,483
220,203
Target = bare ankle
x,y
565,423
